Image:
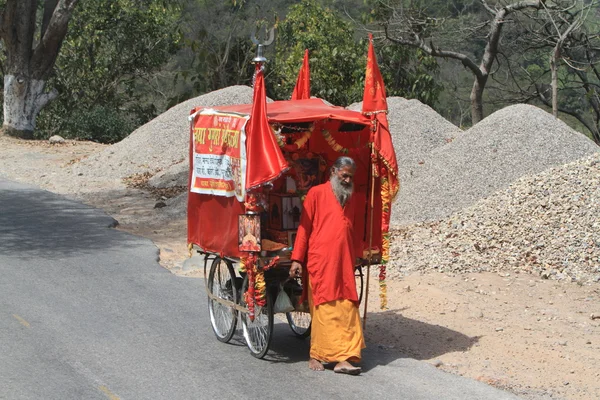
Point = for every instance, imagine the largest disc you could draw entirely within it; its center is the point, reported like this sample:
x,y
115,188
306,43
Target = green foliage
x,y
99,124
337,61
218,50
111,48
409,73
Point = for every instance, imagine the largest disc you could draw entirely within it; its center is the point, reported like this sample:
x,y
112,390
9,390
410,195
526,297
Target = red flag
x,y
302,88
375,105
265,159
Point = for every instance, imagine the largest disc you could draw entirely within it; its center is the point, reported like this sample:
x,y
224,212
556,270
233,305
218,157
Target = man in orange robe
x,y
325,245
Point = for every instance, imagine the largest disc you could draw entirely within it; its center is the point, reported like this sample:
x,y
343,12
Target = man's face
x,y
345,176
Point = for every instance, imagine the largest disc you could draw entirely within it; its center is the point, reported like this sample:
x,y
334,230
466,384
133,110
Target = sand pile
x,y
515,141
160,143
416,130
546,224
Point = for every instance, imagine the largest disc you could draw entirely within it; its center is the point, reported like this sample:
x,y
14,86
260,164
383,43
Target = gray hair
x,y
342,162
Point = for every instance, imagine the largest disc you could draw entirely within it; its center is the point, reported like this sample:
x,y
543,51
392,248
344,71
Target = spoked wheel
x,y
221,283
359,277
257,333
299,321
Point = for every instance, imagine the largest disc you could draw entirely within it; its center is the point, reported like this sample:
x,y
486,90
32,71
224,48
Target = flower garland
x,y
298,143
248,265
332,143
386,201
381,170
256,295
338,147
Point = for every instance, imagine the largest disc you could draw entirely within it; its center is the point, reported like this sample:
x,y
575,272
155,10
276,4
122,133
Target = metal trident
x,y
262,44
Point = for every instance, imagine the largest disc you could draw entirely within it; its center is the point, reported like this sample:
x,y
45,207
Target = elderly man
x,y
325,248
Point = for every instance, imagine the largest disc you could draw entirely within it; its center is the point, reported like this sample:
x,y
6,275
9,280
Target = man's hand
x,y
295,269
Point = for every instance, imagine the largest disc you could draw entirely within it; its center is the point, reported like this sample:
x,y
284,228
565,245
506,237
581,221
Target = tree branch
x,y
49,7
436,52
47,50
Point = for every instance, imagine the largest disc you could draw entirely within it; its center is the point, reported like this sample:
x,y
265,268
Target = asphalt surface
x,y
86,312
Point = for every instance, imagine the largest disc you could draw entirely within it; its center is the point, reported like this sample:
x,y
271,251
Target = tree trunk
x,y
23,99
554,69
477,100
27,66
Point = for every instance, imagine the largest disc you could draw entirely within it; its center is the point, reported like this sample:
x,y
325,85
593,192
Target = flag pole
x,y
370,234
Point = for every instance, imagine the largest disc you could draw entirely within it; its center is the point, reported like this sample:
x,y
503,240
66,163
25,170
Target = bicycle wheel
x,y
300,323
221,283
257,333
359,277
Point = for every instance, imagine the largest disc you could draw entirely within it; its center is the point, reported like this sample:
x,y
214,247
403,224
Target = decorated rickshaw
x,y
251,166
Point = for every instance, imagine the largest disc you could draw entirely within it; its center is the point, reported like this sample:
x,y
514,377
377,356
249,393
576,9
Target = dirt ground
x,y
537,338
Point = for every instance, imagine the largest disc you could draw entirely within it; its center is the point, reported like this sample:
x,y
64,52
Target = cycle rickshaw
x,y
250,167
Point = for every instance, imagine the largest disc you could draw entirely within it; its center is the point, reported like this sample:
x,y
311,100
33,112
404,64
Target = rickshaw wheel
x,y
359,277
221,283
257,333
300,323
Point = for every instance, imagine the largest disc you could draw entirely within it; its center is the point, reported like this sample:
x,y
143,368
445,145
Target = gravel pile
x,y
546,224
416,130
415,127
513,142
160,143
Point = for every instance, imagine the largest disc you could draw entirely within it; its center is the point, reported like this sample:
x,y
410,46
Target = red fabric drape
x,y
265,160
375,104
302,88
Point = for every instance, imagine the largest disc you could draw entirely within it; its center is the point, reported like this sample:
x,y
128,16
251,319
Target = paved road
x,y
86,312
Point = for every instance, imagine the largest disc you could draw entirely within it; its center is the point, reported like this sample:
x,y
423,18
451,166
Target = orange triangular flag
x,y
302,88
265,159
375,105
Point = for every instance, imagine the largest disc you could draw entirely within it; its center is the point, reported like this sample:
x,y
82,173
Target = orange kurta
x,y
325,245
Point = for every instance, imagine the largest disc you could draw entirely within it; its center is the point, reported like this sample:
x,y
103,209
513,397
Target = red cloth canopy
x,y
306,110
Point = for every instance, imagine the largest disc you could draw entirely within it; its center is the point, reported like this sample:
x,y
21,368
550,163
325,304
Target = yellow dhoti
x,y
336,332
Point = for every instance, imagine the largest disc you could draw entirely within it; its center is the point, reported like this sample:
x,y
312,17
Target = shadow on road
x,y
390,335
417,340
40,223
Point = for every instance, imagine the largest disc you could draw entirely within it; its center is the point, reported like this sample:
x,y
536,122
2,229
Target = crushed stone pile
x,y
513,142
416,130
415,127
546,224
159,144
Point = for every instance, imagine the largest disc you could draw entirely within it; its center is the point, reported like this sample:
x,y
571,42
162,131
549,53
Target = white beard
x,y
342,192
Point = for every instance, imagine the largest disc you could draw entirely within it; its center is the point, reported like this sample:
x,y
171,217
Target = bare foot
x,y
315,365
344,367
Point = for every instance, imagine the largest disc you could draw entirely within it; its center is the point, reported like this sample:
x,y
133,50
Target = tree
x,y
568,80
106,70
414,26
218,50
30,60
337,61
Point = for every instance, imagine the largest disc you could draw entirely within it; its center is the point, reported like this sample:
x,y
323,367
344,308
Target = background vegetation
x,y
125,61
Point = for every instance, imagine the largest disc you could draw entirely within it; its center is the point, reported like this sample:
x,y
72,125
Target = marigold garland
x,y
256,294
386,201
298,143
382,287
248,265
259,283
332,142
